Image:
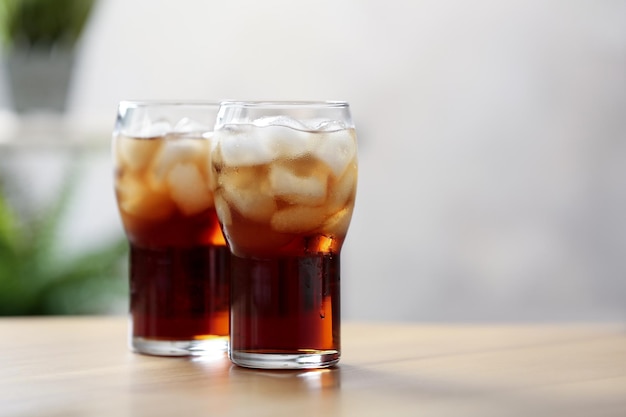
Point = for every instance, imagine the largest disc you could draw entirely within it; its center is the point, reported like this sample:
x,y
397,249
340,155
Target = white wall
x,y
492,135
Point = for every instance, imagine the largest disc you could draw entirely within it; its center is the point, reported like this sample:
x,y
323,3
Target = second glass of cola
x,y
285,181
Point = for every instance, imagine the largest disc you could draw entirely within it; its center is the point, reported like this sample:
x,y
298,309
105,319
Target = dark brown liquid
x,y
285,305
179,264
179,293
179,277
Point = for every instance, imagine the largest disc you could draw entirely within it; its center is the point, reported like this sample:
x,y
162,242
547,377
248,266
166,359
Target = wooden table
x,y
82,367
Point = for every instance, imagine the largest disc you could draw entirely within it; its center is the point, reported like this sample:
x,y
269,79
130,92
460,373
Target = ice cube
x,y
222,210
188,189
179,150
245,194
328,126
253,205
187,125
286,137
298,219
215,165
342,189
283,121
134,153
147,128
337,224
240,148
294,189
138,200
211,178
336,149
285,142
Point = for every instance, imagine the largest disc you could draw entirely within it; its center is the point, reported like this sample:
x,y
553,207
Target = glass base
x,y
301,360
179,347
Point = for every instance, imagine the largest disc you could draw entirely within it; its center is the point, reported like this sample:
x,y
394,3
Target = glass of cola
x,y
285,183
179,261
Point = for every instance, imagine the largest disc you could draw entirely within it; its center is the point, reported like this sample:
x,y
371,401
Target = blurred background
x,y
492,143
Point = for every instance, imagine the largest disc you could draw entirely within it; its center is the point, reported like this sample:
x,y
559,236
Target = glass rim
x,y
170,103
278,104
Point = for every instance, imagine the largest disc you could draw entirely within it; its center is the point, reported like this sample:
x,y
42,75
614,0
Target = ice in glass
x,y
285,182
179,262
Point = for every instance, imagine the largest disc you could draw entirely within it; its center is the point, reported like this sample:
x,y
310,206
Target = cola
x,y
286,305
179,261
285,196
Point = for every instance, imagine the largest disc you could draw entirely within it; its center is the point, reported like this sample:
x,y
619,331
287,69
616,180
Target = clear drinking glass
x,y
286,175
179,262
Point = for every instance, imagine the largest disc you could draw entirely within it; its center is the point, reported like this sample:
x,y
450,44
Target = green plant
x,y
36,280
43,23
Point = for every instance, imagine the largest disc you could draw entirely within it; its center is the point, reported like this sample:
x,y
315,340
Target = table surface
x,y
81,366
